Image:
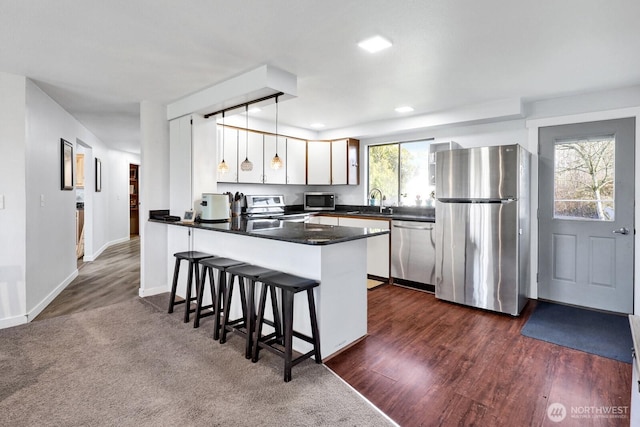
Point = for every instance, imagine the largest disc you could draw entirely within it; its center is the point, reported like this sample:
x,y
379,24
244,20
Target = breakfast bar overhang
x,y
335,256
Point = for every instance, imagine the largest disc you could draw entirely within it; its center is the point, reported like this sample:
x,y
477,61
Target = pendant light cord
x,y
246,108
223,136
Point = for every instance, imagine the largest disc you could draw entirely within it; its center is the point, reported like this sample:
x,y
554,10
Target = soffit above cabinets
x,y
259,83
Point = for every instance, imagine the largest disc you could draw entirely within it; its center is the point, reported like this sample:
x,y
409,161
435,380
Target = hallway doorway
x,y
84,190
134,201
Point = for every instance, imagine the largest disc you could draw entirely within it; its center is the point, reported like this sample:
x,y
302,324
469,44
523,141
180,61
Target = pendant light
x,y
246,165
276,162
222,166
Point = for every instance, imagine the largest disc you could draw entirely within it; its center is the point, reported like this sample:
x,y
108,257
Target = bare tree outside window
x,y
584,179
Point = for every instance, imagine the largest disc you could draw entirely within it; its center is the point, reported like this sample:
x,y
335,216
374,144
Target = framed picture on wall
x,y
98,175
66,164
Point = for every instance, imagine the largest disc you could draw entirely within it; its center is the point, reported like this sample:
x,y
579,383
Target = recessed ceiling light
x,y
404,109
317,125
375,44
254,110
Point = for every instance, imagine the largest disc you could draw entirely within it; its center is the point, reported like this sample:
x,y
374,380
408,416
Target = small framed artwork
x,y
66,164
98,175
188,216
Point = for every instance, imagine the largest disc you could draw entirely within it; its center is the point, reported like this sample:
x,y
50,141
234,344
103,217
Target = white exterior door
x,y
586,218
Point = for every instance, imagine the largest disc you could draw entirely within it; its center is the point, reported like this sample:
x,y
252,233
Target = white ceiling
x,y
99,59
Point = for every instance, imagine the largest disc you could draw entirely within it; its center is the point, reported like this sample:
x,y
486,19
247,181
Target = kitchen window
x,y
401,172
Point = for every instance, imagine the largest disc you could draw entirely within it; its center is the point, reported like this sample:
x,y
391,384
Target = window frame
x,y
399,144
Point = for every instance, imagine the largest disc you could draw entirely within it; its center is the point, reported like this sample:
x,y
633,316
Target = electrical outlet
x,y
42,200
1,201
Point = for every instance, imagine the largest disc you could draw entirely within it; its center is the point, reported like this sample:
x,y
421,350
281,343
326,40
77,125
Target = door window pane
x,y
584,179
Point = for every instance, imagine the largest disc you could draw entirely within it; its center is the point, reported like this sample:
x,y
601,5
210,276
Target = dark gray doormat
x,y
607,335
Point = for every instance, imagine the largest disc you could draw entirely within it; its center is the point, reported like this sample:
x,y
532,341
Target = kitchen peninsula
x,y
336,256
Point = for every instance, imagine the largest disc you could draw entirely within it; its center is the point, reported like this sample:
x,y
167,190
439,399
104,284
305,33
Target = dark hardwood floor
x,y
425,362
428,362
113,277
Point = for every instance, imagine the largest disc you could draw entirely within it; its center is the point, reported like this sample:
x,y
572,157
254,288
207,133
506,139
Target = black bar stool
x,y
290,285
217,294
244,325
194,258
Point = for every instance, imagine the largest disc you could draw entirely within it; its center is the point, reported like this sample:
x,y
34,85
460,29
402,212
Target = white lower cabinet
x,y
377,247
326,220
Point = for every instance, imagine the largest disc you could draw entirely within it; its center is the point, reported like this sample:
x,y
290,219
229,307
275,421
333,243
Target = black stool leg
x,y
287,319
250,315
199,296
227,305
228,292
220,298
314,326
174,285
276,313
187,300
259,319
212,289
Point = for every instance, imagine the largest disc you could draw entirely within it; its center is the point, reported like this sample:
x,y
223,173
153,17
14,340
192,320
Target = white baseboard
x,y
145,292
13,321
45,302
95,255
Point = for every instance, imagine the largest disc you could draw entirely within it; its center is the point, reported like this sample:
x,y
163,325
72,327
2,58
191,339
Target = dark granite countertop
x,y
286,231
425,214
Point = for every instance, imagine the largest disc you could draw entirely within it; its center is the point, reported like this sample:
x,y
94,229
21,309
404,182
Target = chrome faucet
x,y
373,190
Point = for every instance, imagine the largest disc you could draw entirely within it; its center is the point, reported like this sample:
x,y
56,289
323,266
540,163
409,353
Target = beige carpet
x,y
133,364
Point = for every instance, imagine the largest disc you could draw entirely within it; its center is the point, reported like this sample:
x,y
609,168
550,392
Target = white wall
x,y
13,200
38,227
154,194
51,256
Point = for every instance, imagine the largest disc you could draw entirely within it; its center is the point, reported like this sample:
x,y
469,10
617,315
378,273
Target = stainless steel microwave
x,y
319,201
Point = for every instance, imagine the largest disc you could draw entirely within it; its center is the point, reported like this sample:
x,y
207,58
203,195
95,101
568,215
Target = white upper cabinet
x,y
344,162
339,162
353,162
229,153
275,176
296,161
255,155
319,164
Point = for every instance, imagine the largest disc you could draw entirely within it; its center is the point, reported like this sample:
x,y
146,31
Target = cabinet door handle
x,y
413,228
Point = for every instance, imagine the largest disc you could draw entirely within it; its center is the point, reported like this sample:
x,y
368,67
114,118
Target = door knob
x,y
622,230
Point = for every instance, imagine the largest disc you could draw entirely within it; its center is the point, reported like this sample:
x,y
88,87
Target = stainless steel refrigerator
x,y
483,227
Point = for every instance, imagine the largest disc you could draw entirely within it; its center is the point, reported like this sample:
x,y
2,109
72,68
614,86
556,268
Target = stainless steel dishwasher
x,y
413,251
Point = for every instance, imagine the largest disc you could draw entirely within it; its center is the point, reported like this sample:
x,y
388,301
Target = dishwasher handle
x,y
412,228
